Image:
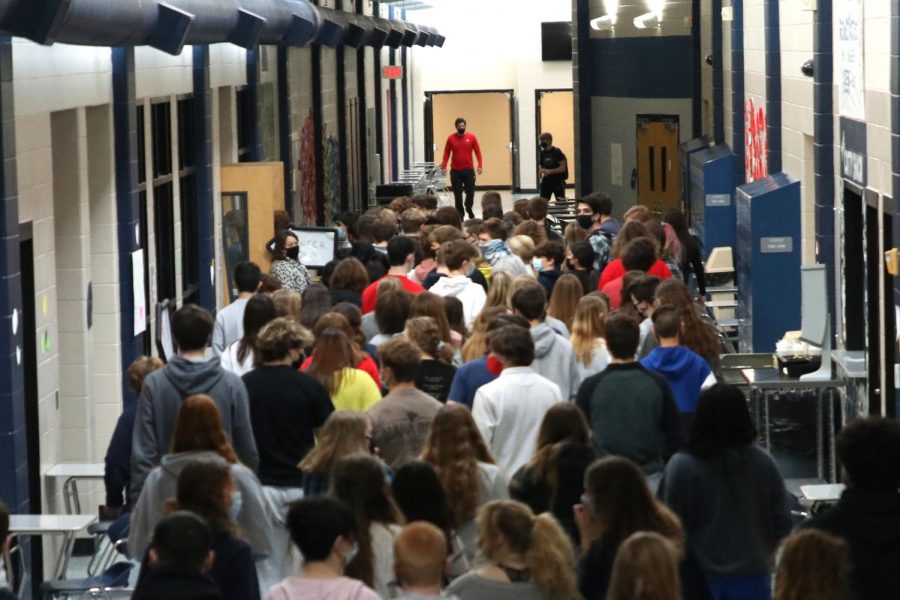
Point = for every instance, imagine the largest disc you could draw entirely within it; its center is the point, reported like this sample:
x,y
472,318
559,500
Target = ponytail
x,y
551,559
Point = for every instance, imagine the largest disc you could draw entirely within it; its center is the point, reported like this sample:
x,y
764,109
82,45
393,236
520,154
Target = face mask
x,y
489,249
585,221
537,264
545,145
292,253
237,502
470,271
494,366
341,234
461,130
354,550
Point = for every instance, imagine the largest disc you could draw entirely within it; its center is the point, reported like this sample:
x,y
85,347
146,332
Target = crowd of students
x,y
496,408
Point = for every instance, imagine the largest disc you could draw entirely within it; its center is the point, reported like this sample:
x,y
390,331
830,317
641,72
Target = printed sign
x,y
850,55
756,161
318,245
776,245
853,151
137,290
718,199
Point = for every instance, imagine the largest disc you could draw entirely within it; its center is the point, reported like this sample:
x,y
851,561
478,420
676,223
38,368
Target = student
x,y
616,268
640,295
588,218
362,359
608,225
345,433
180,559
554,169
566,294
646,566
690,260
359,482
537,213
491,239
695,333
325,532
459,455
646,429
687,372
434,374
813,564
867,515
509,411
462,171
229,326
401,254
208,490
431,305
638,255
527,557
553,478
580,263
458,256
391,311
286,267
199,435
589,336
420,560
548,261
240,356
421,497
553,354
187,374
400,421
334,366
117,463
730,496
286,409
348,281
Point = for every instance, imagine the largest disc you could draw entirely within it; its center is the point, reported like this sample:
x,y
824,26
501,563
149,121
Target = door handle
x,y
634,178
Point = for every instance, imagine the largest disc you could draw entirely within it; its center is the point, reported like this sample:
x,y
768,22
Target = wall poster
x,y
850,56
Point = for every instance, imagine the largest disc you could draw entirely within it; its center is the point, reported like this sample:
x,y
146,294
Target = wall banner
x,y
850,59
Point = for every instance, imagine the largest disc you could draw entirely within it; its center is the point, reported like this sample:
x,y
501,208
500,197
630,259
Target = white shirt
x,y
509,411
229,326
231,363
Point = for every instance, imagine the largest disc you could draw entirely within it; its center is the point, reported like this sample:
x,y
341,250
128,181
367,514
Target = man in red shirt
x,y
401,253
462,169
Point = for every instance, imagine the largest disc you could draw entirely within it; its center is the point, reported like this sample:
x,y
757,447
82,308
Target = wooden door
x,y
488,117
658,172
556,115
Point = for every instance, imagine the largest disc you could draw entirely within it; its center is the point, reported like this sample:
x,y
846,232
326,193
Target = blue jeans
x,y
751,587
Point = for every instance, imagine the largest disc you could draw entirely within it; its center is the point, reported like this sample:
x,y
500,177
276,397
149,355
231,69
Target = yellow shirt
x,y
357,391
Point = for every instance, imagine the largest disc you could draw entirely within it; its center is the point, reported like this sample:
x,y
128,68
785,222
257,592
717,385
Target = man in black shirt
x,y
554,169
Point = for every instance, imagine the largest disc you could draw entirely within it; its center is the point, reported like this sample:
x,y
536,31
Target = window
x,y
144,219
187,167
245,124
163,197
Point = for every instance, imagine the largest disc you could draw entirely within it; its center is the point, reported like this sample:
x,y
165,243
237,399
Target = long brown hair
x,y
563,423
631,230
476,345
349,274
343,434
813,564
696,334
359,481
646,568
333,354
259,311
200,488
567,291
431,305
622,504
588,327
424,333
454,447
336,320
198,427
508,527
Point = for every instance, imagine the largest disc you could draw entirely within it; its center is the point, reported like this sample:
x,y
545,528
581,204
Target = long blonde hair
x,y
499,291
509,527
476,345
588,327
454,447
813,564
567,291
343,434
646,568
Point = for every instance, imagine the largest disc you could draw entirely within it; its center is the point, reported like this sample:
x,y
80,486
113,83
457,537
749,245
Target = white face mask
x,y
354,550
237,502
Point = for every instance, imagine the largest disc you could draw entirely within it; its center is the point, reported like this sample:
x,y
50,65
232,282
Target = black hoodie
x,y
869,521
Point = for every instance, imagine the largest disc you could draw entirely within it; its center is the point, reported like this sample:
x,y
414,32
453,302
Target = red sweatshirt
x,y
462,147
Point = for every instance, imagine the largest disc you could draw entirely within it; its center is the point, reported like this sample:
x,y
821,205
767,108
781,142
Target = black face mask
x,y
545,145
461,130
293,253
585,221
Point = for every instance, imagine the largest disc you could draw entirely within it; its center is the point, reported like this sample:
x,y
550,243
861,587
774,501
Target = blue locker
x,y
712,197
685,151
767,261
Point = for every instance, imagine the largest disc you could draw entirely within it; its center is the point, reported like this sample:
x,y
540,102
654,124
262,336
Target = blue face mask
x,y
491,248
354,550
537,264
237,502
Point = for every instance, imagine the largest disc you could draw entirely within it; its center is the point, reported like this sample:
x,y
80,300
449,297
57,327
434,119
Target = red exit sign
x,y
392,72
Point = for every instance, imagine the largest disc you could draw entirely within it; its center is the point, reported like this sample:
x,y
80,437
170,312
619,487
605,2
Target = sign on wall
x,y
756,162
853,150
851,66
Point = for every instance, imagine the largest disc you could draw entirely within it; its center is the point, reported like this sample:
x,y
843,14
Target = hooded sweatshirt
x,y
253,519
158,406
869,521
469,293
554,358
686,372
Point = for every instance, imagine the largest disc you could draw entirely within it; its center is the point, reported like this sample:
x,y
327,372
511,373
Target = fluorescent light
x,y
648,20
604,23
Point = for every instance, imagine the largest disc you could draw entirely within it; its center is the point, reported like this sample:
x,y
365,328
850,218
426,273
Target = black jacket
x,y
157,585
572,462
869,521
548,279
117,472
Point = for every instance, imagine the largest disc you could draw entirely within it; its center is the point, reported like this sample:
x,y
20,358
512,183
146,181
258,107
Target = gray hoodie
x,y
253,519
158,406
554,358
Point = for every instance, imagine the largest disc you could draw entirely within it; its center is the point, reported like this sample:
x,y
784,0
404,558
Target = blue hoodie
x,y
685,371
